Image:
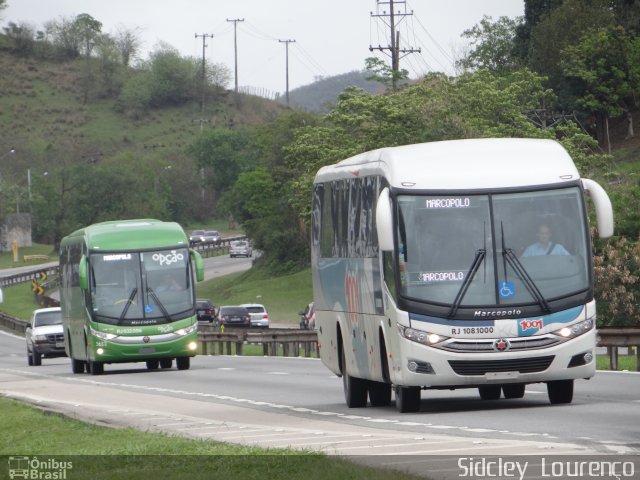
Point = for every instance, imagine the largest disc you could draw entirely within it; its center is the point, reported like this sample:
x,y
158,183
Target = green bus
x,y
127,294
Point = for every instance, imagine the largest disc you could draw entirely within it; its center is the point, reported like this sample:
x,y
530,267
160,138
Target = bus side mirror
x,y
196,258
604,210
384,221
1,296
83,273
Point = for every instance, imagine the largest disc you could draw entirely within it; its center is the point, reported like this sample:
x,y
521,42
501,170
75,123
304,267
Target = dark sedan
x,y
234,316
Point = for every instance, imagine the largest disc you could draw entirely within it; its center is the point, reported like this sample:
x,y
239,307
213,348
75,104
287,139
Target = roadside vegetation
x,y
98,452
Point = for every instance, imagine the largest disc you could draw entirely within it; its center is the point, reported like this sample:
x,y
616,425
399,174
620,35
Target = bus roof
x,y
125,235
462,164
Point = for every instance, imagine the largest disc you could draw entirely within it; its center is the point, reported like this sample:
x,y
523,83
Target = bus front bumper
x,y
432,367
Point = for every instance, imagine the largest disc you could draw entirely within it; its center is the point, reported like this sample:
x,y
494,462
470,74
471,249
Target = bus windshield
x,y
492,250
141,288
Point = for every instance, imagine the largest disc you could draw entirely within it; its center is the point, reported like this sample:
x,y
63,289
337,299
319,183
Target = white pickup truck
x,y
44,335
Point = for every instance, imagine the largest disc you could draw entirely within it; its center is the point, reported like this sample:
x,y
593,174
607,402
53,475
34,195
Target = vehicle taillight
x,y
265,315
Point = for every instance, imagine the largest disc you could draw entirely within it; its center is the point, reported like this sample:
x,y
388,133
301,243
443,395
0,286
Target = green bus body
x,y
127,294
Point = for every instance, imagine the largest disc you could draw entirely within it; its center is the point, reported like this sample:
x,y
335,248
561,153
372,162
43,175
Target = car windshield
x,y
141,288
487,250
47,318
203,305
255,309
211,234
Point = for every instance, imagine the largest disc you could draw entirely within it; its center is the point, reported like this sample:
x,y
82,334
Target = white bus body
x,y
421,279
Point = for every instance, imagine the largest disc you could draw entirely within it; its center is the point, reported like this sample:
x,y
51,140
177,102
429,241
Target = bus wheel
x,y
560,391
183,363
513,390
166,362
96,368
379,394
77,366
491,392
407,399
355,389
153,364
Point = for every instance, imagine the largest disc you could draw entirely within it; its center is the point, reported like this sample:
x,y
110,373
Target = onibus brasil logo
x,y
38,469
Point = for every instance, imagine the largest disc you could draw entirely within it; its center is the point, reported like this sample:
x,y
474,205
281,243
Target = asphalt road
x,y
297,402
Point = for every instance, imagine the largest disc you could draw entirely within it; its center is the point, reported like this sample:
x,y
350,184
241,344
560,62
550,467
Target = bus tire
x,y
560,391
490,392
77,366
355,389
514,390
153,364
183,363
166,362
379,394
96,368
407,399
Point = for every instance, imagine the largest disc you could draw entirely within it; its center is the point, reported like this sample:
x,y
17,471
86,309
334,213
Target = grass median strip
x,y
97,452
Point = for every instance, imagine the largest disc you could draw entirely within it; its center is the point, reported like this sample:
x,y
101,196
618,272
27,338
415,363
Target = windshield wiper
x,y
480,256
162,308
128,304
511,258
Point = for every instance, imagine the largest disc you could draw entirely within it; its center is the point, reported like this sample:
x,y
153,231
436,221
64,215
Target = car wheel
x,y
37,358
29,358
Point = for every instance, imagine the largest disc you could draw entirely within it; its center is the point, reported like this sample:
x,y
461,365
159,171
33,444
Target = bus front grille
x,y
475,346
482,367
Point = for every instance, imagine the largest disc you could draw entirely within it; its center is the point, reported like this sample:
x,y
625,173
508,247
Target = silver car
x,y
240,248
45,335
259,315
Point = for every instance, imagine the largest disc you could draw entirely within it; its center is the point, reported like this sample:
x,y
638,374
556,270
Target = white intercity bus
x,y
455,264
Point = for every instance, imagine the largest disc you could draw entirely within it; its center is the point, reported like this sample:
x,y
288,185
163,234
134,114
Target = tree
x,y
222,152
379,71
617,272
127,41
22,38
492,46
601,66
562,27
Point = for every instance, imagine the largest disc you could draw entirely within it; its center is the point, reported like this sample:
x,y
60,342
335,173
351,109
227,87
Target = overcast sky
x,y
331,36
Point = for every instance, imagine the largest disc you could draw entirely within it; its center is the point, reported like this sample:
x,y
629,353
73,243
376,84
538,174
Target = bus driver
x,y
544,245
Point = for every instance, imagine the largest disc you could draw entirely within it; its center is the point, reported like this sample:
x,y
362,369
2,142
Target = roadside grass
x,y
97,452
625,362
18,301
283,296
7,260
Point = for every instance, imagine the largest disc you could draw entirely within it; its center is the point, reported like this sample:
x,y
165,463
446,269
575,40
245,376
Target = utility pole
x,y
286,44
394,19
204,71
235,46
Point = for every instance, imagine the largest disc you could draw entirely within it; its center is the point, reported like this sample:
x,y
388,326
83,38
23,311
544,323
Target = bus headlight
x,y
103,335
420,336
187,330
576,329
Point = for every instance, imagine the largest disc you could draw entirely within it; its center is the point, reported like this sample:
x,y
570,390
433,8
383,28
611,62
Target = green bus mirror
x,y
196,258
83,273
